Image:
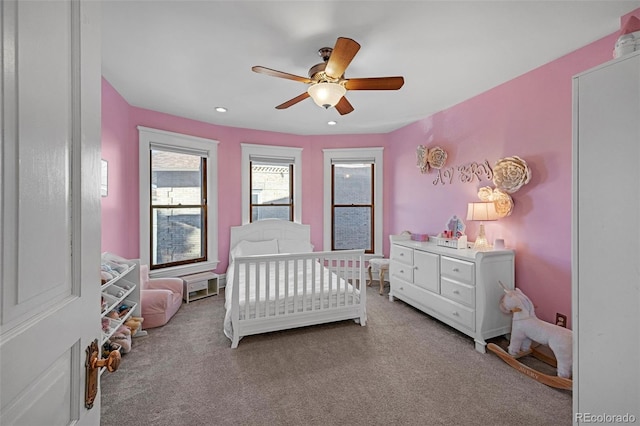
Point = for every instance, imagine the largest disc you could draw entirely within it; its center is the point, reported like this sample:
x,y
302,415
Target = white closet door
x,y
606,239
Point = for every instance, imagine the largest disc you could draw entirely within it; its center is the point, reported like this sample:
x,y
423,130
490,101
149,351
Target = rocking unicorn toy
x,y
527,328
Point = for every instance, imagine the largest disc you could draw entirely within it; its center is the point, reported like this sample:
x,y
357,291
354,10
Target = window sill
x,y
178,271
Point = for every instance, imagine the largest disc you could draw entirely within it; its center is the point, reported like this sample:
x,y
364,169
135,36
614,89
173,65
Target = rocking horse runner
x,y
527,328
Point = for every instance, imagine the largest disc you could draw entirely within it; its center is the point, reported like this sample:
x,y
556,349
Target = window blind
x,y
178,149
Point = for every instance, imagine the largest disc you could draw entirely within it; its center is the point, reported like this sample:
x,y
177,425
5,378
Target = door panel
x,y
50,214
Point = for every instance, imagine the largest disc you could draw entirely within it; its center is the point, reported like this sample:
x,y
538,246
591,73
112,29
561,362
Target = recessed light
x,y
332,123
221,109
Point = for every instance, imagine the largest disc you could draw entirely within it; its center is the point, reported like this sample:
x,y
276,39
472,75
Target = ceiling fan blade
x,y
275,73
341,56
293,101
343,106
375,83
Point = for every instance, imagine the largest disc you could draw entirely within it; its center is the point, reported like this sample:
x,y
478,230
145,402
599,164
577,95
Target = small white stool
x,y
381,265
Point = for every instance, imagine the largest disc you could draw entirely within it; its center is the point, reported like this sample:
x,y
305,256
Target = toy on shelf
x,y
526,328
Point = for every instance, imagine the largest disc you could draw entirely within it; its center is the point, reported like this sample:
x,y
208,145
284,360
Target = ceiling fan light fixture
x,y
326,95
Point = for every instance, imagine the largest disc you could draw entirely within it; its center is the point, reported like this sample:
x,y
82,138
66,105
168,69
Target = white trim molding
x,y
207,147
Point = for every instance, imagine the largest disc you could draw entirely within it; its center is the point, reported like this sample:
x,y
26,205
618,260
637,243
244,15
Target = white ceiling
x,y
187,57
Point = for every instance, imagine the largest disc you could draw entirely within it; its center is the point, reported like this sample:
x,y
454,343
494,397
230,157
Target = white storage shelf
x,y
200,285
123,289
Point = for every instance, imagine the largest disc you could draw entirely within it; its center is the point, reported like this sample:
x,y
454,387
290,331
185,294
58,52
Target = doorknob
x,y
93,366
112,362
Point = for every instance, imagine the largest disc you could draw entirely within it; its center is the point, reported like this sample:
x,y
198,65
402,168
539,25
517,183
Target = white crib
x,y
275,291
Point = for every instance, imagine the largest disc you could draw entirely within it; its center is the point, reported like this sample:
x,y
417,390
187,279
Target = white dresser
x,y
457,287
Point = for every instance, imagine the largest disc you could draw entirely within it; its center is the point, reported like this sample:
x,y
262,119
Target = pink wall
x,y
120,224
120,142
529,116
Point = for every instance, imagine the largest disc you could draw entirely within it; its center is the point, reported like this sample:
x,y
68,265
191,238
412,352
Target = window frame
x,y
177,142
370,206
202,206
277,153
291,204
355,155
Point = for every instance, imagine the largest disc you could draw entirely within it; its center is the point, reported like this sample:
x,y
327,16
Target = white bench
x,y
197,286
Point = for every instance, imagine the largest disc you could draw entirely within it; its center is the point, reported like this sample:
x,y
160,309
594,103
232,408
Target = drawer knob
x,y
401,288
415,267
456,270
456,292
402,271
401,254
456,314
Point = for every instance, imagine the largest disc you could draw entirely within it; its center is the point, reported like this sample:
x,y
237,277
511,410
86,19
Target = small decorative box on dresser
x,y
456,286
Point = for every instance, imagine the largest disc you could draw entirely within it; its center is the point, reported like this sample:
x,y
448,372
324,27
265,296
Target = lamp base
x,y
481,243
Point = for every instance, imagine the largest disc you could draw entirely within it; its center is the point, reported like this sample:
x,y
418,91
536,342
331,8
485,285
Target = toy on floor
x,y
122,336
527,328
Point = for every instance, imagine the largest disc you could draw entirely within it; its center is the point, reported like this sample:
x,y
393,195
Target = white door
x,y
50,211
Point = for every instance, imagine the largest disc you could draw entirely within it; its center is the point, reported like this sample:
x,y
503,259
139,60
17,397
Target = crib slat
x,y
267,283
259,270
276,301
295,286
343,273
312,262
322,281
286,284
331,268
247,273
304,284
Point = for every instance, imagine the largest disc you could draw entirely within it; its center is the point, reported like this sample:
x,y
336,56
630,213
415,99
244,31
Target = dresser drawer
x,y
462,293
402,255
436,305
453,311
402,271
456,269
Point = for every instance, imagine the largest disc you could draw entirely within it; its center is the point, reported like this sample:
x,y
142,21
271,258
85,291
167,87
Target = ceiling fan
x,y
326,79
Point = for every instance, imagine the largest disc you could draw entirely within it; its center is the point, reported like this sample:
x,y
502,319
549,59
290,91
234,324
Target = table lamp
x,y
482,211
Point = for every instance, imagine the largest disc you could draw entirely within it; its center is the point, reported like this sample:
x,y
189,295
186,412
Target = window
x,y
178,215
178,202
271,183
353,199
352,196
271,189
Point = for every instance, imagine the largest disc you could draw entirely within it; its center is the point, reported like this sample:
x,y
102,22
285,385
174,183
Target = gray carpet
x,y
403,368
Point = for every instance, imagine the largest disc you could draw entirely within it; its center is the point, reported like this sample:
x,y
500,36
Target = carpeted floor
x,y
403,368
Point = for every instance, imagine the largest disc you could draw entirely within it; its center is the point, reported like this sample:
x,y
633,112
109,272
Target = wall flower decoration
x,y
421,154
510,174
437,157
502,200
485,193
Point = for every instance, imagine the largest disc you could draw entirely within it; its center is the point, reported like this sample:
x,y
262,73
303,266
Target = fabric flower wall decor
x,y
502,200
428,158
423,164
437,157
510,174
